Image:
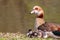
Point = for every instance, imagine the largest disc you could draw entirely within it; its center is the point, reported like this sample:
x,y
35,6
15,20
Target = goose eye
x,y
36,8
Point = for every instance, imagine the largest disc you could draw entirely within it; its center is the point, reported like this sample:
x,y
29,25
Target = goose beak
x,y
32,11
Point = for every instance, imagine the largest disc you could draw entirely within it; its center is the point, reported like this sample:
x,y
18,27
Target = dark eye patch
x,y
36,8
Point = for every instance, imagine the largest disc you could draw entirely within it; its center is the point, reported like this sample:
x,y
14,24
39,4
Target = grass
x,y
19,36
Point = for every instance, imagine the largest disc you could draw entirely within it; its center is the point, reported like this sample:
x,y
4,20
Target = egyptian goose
x,y
52,28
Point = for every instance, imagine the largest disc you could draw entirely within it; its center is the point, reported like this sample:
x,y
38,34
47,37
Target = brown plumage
x,y
50,27
40,16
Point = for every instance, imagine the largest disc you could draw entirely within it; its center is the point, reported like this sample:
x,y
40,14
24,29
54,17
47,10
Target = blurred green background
x,y
15,14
